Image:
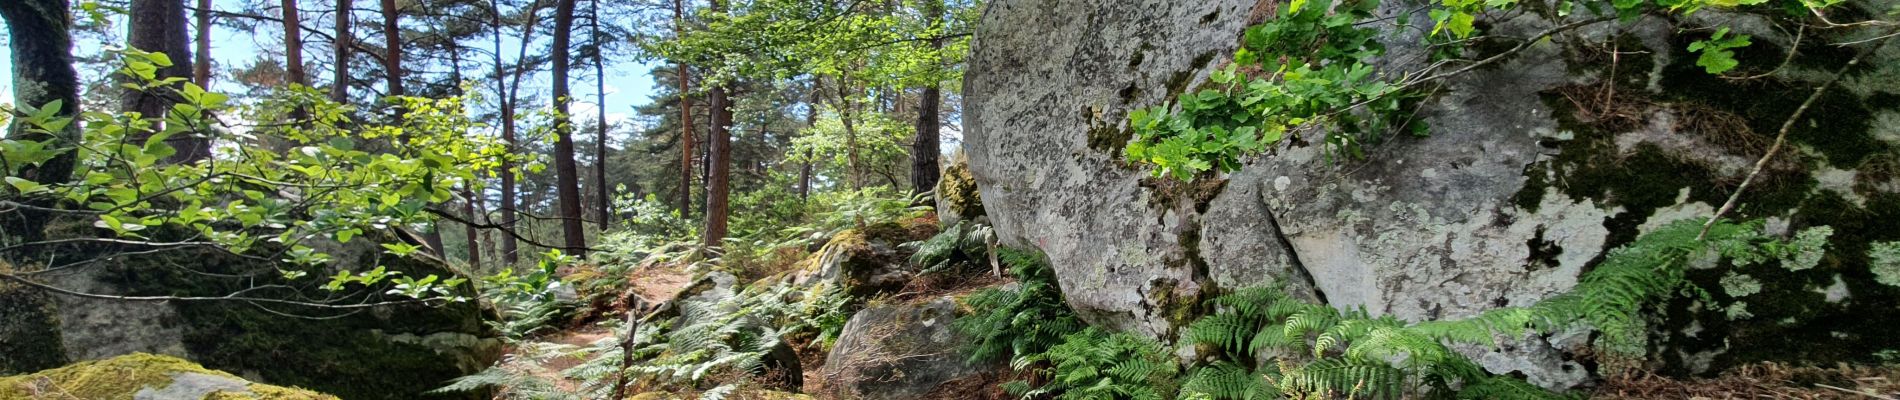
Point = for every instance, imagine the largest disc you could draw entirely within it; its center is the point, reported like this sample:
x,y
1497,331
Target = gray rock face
x,y
899,351
193,386
1518,190
1048,78
397,351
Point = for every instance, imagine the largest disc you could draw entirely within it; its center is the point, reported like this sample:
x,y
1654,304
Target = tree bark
x,y
603,203
293,45
392,48
340,84
566,173
471,235
41,41
686,118
510,95
719,157
201,69
805,171
924,171
159,26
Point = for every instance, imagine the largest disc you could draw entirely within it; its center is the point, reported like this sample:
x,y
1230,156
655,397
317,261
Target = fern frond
x,y
1229,381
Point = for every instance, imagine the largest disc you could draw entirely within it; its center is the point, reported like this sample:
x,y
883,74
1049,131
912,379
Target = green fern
x,y
509,381
1007,324
1224,380
1353,354
1094,364
965,243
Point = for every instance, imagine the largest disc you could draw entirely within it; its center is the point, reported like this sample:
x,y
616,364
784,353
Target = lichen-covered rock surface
x,y
899,351
393,352
141,376
1532,170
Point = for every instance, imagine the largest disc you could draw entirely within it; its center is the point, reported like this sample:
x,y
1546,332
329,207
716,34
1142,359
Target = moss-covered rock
x,y
899,351
957,196
29,330
1508,201
391,352
144,377
867,260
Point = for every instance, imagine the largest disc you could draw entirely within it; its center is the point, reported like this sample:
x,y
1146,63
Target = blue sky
x,y
627,82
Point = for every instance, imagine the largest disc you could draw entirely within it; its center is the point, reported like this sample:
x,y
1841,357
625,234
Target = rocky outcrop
x,y
866,260
141,376
899,351
1529,175
393,352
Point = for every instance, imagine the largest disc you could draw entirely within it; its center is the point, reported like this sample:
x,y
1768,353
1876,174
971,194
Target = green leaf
x,y
25,186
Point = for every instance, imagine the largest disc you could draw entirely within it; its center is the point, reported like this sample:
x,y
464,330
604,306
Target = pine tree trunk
x,y
686,119
471,235
392,48
340,84
293,54
158,26
924,171
293,45
603,201
509,99
469,232
566,173
719,159
201,68
805,171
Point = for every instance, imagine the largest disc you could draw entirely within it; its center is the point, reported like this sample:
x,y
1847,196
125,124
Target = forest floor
x,y
1762,381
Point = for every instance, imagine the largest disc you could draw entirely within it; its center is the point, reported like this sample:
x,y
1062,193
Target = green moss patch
x,y
120,378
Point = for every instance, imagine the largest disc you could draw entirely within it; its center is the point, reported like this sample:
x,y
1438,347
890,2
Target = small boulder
x,y
141,376
867,260
899,351
957,197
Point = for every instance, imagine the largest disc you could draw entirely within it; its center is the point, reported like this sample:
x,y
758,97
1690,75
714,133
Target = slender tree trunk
x,y
603,203
719,157
481,208
566,173
159,26
805,171
293,45
686,118
705,160
201,69
471,235
293,54
924,171
846,115
508,137
509,99
340,84
392,48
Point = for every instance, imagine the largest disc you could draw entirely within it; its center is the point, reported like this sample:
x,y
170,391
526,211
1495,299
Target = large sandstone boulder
x,y
1526,179
394,352
141,376
899,351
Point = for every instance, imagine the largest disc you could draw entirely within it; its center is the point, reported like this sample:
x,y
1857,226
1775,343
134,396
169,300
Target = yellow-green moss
x,y
957,190
120,377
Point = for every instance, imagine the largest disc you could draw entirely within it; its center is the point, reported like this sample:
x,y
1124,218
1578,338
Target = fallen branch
x,y
1781,138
